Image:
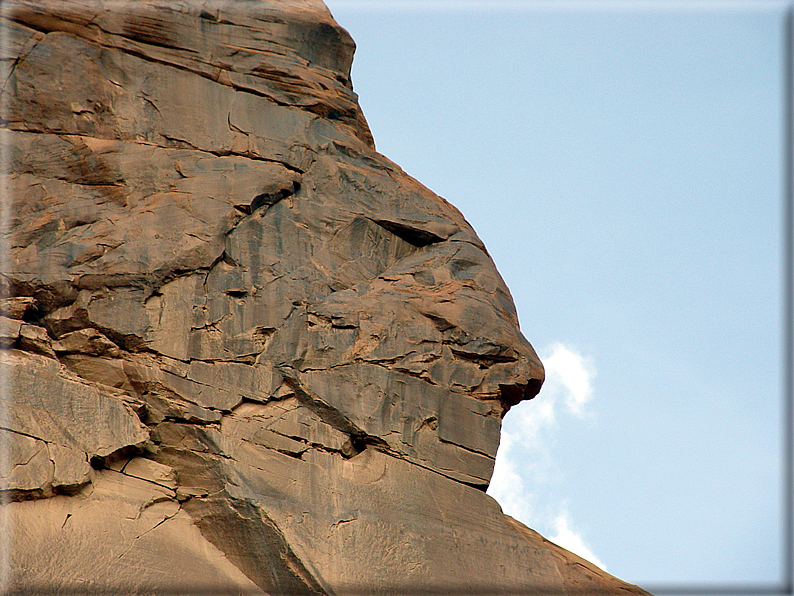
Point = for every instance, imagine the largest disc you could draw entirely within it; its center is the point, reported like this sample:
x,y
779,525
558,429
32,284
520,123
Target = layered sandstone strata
x,y
243,352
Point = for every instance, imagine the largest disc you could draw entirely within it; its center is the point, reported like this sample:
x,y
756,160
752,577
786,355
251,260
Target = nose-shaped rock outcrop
x,y
244,350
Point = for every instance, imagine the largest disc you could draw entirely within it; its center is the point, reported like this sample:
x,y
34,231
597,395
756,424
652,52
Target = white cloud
x,y
567,538
569,375
529,426
507,487
525,470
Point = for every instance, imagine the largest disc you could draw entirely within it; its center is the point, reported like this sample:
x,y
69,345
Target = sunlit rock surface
x,y
242,351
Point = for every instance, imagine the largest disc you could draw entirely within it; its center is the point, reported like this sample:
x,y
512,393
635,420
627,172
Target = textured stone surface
x,y
242,350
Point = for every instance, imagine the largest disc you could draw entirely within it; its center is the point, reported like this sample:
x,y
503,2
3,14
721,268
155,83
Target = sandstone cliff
x,y
242,351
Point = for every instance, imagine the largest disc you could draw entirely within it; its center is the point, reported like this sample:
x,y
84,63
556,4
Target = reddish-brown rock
x,y
242,350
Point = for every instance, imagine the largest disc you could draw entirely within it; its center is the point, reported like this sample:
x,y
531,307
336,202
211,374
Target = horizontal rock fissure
x,y
436,470
148,58
283,451
485,360
24,434
149,480
465,448
189,147
411,234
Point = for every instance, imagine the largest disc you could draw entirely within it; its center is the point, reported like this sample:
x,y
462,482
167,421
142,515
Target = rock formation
x,y
243,352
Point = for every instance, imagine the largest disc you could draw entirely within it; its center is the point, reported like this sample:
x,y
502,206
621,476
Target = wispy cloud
x,y
568,538
569,377
525,466
507,485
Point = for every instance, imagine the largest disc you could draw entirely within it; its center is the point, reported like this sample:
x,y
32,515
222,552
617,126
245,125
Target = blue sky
x,y
622,162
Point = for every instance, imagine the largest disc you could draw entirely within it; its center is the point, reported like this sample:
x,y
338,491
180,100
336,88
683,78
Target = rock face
x,y
243,352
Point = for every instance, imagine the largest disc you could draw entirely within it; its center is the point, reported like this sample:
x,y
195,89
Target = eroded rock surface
x,y
245,351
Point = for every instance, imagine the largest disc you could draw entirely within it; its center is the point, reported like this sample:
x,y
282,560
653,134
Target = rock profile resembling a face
x,y
245,351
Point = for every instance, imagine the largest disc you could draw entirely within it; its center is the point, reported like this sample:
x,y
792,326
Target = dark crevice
x,y
510,395
100,462
410,234
440,322
465,448
269,199
359,439
484,360
282,450
353,446
19,59
45,492
24,434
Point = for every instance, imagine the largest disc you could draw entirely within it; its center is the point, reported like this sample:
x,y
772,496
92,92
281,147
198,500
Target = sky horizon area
x,y
623,163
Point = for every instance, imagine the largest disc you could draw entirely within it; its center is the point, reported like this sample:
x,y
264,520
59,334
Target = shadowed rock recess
x,y
243,352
